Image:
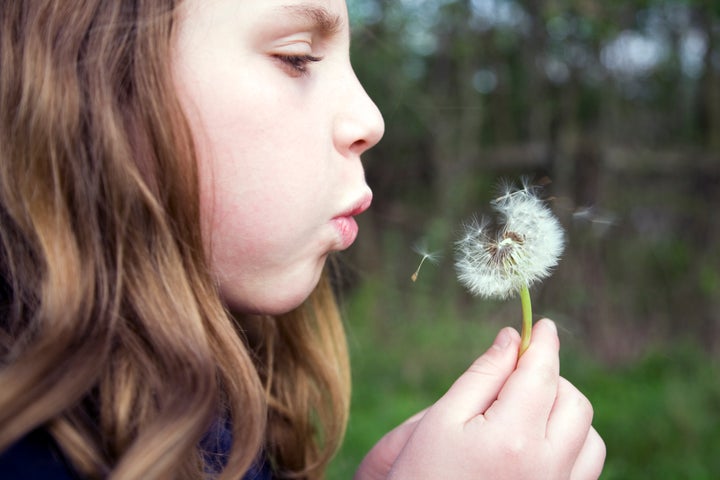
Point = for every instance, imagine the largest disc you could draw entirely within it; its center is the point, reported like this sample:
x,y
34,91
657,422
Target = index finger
x,y
528,396
478,387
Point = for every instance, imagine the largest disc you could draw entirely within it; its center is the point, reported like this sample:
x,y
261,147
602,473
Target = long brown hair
x,y
112,335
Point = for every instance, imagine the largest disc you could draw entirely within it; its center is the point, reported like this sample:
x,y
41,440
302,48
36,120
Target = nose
x,y
359,124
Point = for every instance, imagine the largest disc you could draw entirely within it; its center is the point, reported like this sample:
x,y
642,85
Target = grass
x,y
659,416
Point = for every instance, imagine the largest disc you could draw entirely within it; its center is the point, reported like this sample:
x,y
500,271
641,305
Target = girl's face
x,y
280,121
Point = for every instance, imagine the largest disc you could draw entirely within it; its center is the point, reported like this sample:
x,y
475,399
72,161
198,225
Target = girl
x,y
174,176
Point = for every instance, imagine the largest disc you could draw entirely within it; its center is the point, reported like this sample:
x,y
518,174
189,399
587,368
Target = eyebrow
x,y
322,20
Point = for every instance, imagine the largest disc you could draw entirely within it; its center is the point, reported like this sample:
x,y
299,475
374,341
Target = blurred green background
x,y
615,107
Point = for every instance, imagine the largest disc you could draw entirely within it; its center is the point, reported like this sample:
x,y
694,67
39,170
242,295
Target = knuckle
x,y
585,406
515,447
485,366
546,372
596,452
580,402
601,449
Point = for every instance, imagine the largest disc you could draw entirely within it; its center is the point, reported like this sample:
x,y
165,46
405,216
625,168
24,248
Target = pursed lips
x,y
345,223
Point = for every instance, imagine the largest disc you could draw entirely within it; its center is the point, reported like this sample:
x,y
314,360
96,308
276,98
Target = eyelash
x,y
297,64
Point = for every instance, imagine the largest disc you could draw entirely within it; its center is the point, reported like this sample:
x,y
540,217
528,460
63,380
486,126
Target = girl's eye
x,y
297,65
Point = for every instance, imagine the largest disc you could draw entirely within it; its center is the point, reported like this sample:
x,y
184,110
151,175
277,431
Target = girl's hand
x,y
502,419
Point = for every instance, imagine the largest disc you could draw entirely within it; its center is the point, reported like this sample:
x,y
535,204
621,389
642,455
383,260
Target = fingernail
x,y
503,339
551,324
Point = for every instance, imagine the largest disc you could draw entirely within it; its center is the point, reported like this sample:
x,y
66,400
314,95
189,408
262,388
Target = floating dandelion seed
x,y
523,250
432,257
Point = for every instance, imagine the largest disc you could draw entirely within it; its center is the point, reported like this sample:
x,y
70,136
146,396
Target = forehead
x,y
325,20
324,17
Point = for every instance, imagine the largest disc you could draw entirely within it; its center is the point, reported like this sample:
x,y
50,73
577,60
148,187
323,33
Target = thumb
x,y
377,463
477,388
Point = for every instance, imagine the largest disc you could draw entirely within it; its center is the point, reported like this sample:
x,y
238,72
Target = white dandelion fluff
x,y
421,249
523,250
498,263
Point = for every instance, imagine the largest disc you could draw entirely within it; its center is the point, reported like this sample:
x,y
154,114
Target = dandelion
x,y
432,257
498,263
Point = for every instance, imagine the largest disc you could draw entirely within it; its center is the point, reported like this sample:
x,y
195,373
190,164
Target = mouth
x,y
345,223
358,207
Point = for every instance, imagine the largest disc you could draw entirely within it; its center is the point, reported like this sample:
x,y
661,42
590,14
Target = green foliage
x,y
658,416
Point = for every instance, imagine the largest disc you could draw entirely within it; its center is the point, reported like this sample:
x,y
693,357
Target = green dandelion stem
x,y
526,320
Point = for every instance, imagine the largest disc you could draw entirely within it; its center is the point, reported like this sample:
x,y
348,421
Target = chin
x,y
270,305
273,298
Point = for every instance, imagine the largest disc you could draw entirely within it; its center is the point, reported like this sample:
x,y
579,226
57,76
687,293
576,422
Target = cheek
x,y
261,266
262,191
250,225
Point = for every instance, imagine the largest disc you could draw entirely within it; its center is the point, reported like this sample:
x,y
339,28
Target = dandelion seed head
x,y
526,246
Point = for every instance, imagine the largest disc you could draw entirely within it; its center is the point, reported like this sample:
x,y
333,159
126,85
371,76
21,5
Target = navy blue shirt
x,y
37,456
